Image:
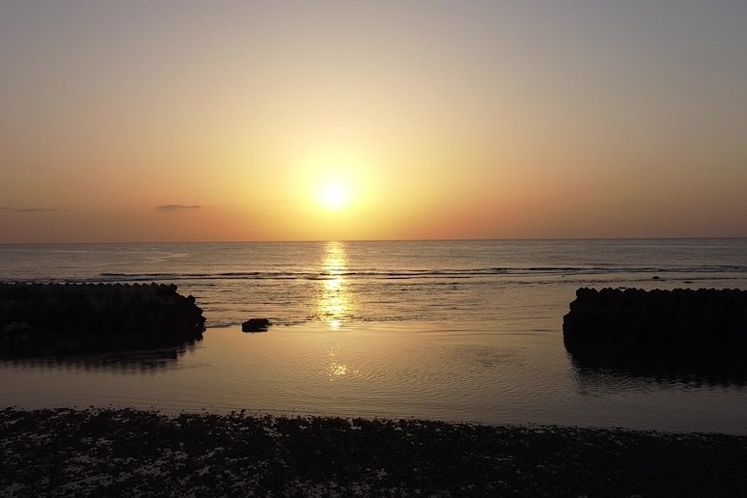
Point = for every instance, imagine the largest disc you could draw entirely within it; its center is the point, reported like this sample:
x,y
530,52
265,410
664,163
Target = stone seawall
x,y
703,318
72,318
682,332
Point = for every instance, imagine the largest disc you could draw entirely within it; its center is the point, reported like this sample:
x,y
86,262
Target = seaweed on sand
x,y
128,452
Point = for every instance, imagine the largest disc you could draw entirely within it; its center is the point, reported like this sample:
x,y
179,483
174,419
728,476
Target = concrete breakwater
x,y
682,317
71,318
684,331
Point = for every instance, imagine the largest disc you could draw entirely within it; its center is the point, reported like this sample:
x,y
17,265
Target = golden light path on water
x,y
335,302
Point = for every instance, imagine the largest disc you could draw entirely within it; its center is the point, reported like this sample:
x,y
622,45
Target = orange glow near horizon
x,y
370,120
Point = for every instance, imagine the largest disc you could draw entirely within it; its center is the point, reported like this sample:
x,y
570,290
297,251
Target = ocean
x,y
448,330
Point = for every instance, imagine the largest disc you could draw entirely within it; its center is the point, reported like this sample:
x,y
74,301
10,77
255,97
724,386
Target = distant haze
x,y
305,120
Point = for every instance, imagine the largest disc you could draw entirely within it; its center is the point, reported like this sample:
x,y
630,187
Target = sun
x,y
333,196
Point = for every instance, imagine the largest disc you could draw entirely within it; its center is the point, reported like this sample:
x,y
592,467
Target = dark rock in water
x,y
682,331
76,318
255,325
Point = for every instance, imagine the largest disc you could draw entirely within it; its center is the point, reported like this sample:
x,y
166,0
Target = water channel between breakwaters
x,y
492,373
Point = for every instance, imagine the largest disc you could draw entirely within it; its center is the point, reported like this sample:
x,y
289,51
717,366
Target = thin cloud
x,y
177,207
30,210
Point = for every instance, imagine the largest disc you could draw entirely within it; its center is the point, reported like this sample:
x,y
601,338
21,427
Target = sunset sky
x,y
307,120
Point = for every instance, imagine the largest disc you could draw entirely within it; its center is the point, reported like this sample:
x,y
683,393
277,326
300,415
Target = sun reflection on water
x,y
336,369
334,305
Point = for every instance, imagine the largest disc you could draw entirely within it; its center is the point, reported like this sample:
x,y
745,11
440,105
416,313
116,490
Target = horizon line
x,y
465,239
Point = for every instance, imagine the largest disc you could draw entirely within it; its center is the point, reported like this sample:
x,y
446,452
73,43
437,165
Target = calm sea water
x,y
451,330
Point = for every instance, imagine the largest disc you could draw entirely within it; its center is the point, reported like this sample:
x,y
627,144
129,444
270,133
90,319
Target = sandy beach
x,y
107,452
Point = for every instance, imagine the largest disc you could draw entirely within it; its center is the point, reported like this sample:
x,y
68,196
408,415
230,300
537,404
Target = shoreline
x,y
461,373
100,451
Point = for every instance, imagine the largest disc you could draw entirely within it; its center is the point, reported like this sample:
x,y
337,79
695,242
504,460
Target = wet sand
x,y
126,452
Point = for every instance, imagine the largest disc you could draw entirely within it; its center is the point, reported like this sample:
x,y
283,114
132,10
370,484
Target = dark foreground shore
x,y
103,452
